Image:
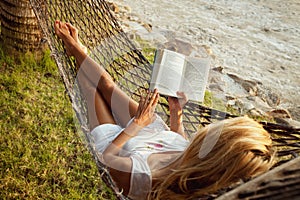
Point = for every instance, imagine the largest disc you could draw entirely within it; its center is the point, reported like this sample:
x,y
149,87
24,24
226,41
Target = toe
x,y
74,31
56,27
61,29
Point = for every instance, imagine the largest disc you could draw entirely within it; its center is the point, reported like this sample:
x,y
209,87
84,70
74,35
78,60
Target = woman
x,y
147,159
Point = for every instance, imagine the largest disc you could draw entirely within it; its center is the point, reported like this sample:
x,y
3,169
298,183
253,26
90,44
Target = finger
x,y
153,97
142,101
149,95
156,98
141,105
145,99
182,95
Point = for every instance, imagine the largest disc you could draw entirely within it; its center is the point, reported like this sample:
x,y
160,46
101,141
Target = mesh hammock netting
x,y
109,45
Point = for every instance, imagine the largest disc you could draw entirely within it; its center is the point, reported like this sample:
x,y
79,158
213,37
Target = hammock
x,y
110,46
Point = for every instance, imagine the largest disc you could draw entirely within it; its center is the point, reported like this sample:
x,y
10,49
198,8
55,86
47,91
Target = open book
x,y
174,72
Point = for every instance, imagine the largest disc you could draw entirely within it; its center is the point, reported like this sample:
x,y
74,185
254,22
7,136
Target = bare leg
x,y
98,110
121,105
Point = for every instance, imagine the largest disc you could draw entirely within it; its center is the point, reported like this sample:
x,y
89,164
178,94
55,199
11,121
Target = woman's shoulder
x,y
140,183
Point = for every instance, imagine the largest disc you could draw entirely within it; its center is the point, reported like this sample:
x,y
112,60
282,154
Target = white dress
x,y
155,138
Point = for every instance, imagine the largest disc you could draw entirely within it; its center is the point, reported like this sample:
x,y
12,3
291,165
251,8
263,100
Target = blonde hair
x,y
242,149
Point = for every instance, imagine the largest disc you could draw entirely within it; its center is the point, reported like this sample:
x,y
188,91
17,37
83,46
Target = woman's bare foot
x,y
69,36
74,34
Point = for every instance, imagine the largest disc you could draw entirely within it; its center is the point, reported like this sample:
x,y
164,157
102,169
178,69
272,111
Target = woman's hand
x,y
177,103
145,113
175,106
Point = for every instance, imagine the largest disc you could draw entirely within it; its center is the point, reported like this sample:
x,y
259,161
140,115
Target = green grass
x,y
42,155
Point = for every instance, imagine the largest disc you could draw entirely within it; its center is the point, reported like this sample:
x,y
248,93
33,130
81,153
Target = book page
x,y
168,73
157,60
195,78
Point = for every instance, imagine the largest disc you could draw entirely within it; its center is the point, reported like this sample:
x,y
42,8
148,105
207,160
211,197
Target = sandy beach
x,y
256,41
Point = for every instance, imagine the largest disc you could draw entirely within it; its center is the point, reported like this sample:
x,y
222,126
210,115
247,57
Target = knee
x,y
106,83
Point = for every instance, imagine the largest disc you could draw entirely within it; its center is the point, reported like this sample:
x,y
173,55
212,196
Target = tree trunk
x,y
19,26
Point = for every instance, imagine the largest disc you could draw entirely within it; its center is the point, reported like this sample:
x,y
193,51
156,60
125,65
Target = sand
x,y
257,40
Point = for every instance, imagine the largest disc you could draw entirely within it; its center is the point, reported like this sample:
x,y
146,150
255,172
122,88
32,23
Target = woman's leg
x,y
121,105
97,109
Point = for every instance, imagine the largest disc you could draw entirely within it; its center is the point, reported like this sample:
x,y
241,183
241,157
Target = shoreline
x,y
249,92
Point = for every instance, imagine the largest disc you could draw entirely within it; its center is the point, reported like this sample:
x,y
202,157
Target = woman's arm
x,y
175,106
176,124
120,167
144,116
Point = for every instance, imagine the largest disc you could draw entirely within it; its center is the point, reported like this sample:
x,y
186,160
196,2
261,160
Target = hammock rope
x,y
109,45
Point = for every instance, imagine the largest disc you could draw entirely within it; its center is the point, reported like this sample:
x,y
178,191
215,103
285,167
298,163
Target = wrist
x,y
140,122
176,114
176,110
132,129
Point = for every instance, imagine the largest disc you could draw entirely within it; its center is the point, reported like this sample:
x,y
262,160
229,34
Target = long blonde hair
x,y
241,149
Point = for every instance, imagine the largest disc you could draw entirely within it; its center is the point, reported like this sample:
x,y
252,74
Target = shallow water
x,y
257,40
